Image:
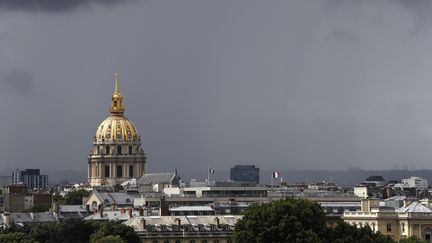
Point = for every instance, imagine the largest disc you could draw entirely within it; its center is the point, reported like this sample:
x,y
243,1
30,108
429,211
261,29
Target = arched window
x,y
427,234
107,149
130,149
119,150
115,103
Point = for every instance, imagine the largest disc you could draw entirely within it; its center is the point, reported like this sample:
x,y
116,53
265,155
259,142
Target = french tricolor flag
x,y
276,174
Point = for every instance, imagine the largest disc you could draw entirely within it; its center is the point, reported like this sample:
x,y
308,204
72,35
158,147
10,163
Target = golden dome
x,y
116,128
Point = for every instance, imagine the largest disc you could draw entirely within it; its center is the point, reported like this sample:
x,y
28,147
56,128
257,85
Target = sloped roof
x,y
190,220
191,208
120,198
414,207
156,178
72,208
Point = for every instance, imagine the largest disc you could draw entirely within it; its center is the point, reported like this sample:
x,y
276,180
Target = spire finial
x,y
116,99
116,78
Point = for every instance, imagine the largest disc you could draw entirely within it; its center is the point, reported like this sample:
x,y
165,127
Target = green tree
x,y
16,237
412,239
298,220
75,197
286,220
115,228
345,233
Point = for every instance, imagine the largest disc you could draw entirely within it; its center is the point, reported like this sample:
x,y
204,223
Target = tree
x,y
285,220
298,220
412,239
345,233
73,232
100,237
115,228
15,237
76,197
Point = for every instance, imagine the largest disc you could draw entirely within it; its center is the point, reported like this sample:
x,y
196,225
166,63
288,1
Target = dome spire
x,y
116,99
116,77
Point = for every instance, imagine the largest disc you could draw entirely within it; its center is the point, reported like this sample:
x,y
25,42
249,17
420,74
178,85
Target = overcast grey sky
x,y
327,84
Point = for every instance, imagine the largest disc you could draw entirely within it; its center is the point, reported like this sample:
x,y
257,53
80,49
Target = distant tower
x,y
116,154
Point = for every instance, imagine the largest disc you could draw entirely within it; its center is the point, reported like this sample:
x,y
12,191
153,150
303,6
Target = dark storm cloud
x,y
17,80
52,5
280,84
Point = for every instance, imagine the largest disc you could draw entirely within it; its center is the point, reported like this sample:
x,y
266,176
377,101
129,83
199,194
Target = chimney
x,y
407,202
7,219
122,210
368,203
217,221
101,212
178,221
130,212
141,212
142,225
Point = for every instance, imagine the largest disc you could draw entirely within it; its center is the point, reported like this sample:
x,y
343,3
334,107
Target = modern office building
x,y
31,178
245,173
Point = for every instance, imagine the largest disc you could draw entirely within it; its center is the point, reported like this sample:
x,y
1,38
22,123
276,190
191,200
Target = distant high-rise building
x,y
31,178
245,173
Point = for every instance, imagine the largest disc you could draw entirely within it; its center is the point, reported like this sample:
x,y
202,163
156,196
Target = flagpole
x,y
272,180
208,176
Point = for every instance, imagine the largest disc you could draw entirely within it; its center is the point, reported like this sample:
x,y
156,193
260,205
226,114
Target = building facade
x,y
244,173
116,155
31,178
412,219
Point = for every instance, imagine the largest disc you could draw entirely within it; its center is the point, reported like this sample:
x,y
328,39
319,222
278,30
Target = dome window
x,y
130,149
119,149
107,149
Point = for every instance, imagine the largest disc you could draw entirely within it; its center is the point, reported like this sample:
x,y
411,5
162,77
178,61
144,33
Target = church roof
x,y
156,178
414,207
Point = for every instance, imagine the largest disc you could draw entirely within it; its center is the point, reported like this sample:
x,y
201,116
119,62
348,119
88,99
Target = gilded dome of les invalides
x,y
116,154
116,127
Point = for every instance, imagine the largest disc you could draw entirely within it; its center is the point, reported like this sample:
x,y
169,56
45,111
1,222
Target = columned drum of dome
x,y
116,154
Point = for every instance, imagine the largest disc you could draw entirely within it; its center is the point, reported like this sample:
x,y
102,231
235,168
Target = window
x,y
131,172
107,150
154,241
119,150
192,241
229,241
177,241
166,241
107,171
389,228
427,234
130,149
204,241
97,150
216,241
115,103
119,171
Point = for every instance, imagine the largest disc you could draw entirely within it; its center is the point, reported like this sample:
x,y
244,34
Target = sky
x,y
329,84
